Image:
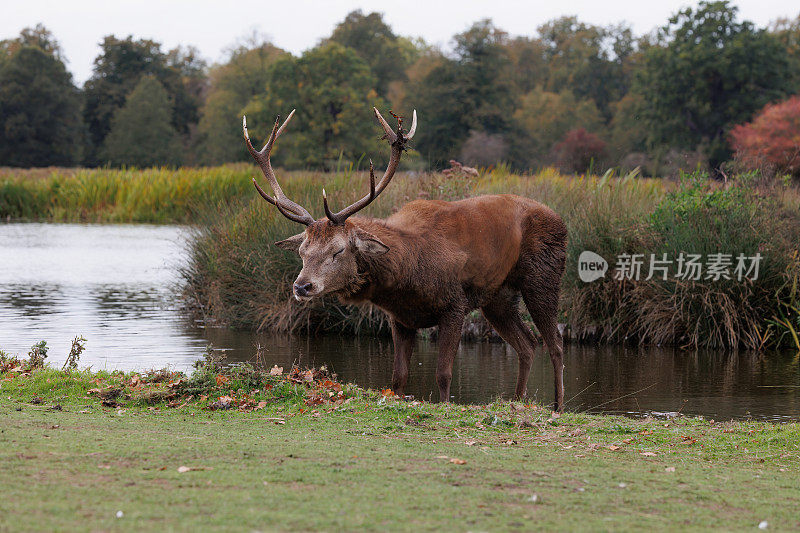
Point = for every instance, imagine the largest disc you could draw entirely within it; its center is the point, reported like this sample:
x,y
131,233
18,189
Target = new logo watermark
x,y
591,266
686,266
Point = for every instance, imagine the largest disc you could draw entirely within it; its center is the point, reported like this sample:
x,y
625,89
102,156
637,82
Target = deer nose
x,y
302,289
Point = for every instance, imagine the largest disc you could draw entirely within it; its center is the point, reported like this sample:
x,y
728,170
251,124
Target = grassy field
x,y
241,449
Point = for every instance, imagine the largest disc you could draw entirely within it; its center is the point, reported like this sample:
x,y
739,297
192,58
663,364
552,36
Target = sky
x,y
296,25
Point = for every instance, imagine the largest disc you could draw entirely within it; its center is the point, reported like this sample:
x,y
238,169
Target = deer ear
x,y
292,243
368,244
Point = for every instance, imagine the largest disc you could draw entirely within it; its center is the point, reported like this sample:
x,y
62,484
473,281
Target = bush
x,y
772,139
578,151
700,217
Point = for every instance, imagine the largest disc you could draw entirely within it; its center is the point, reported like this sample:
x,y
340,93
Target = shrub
x,y
578,151
701,217
772,139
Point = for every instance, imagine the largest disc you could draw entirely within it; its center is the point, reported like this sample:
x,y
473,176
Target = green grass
x,y
363,461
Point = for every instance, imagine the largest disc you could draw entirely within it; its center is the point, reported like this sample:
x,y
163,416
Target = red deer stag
x,y
432,262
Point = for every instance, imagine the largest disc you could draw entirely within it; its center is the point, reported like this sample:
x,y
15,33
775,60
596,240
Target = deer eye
x,y
337,253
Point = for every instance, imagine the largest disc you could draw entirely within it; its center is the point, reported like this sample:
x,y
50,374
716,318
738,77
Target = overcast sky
x,y
296,25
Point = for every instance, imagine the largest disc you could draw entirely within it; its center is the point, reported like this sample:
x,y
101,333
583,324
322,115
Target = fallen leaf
x,y
184,469
648,454
669,469
221,380
456,461
276,371
613,448
262,404
471,443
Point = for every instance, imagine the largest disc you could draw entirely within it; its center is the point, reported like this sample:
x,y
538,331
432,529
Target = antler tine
x,y
288,208
413,130
390,134
284,211
398,142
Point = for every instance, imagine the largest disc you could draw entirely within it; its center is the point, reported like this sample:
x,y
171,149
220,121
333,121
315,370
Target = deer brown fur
x,y
433,262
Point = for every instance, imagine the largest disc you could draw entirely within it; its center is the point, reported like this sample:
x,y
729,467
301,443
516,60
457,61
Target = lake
x,y
117,285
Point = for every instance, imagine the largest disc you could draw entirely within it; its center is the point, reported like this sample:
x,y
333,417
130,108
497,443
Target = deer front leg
x,y
403,339
449,338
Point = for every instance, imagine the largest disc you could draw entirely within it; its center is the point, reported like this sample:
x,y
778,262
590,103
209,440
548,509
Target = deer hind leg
x,y
449,339
403,339
503,314
543,309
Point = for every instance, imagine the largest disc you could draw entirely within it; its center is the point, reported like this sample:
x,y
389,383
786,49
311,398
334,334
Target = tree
x,y
37,37
332,90
544,118
232,86
40,121
772,139
141,133
708,73
590,61
119,68
472,92
374,42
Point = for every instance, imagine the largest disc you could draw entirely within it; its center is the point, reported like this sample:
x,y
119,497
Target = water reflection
x,y
608,379
113,284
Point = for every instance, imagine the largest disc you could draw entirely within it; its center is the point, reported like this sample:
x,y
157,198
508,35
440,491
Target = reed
x,y
158,195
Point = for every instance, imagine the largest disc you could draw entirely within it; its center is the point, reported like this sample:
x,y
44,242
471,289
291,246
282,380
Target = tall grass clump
x,y
699,217
159,195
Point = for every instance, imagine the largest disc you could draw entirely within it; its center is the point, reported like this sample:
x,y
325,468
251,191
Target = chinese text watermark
x,y
686,266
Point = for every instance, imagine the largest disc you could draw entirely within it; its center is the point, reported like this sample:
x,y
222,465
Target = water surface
x,y
115,285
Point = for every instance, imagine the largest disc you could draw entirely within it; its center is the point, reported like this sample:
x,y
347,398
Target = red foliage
x,y
772,138
575,152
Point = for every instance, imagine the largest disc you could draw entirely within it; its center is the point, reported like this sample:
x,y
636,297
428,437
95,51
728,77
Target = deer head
x,y
330,247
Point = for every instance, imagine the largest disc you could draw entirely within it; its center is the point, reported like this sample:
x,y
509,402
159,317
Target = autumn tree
x,y
332,89
40,120
708,72
141,133
772,139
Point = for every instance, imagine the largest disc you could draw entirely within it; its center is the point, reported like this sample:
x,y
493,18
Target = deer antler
x,y
397,140
287,208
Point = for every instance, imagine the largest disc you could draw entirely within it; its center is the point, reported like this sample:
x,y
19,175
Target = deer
x,y
431,263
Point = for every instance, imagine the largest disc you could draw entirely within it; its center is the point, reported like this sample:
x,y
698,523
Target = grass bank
x,y
290,450
158,195
237,278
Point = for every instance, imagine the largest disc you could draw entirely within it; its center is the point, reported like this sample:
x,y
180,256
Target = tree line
x,y
574,95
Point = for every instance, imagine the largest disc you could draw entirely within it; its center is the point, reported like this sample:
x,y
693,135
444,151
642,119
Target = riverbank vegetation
x,y
157,195
245,447
236,277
